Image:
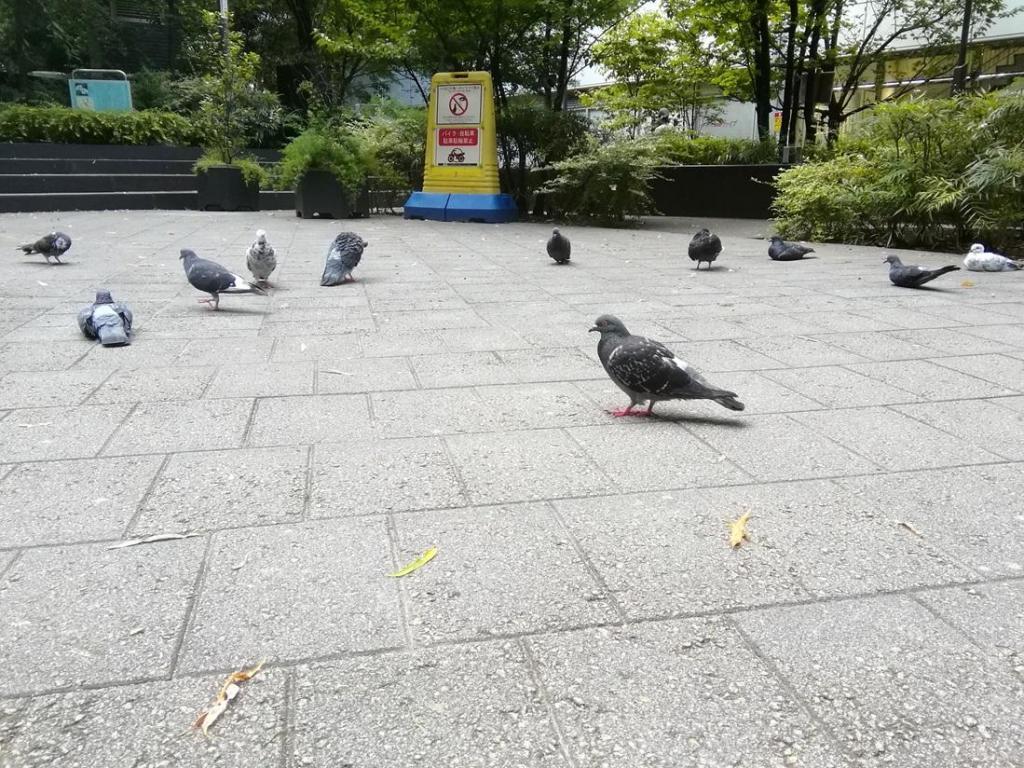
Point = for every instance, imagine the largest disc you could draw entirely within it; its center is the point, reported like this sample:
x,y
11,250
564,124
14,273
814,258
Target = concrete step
x,y
13,150
26,165
97,182
114,201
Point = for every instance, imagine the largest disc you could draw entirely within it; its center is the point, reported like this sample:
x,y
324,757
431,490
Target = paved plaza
x,y
584,609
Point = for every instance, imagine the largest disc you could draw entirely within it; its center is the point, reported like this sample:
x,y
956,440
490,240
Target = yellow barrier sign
x,y
460,179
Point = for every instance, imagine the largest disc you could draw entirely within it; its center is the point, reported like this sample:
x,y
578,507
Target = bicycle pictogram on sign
x,y
458,104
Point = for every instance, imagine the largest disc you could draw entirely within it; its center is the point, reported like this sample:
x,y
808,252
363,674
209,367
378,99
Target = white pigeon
x,y
261,259
979,260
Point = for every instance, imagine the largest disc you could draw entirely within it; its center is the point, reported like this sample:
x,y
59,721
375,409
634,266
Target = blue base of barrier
x,y
442,206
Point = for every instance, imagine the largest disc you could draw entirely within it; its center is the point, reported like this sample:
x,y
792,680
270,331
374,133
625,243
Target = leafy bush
x,y
609,184
934,173
394,136
252,172
62,125
677,148
326,149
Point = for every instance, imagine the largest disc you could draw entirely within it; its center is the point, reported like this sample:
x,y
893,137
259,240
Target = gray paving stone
x,y
54,356
776,447
432,320
796,350
838,387
976,514
651,455
1001,370
665,695
34,434
364,375
569,364
462,369
473,706
217,351
493,466
893,440
67,501
289,593
478,586
726,355
150,384
481,339
182,425
147,724
539,406
705,328
1010,334
878,346
263,380
667,554
72,615
388,343
915,693
947,341
984,423
929,380
361,477
337,348
308,419
226,489
433,412
990,614
30,390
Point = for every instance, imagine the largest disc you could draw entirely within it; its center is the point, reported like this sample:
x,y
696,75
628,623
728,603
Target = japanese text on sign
x,y
457,137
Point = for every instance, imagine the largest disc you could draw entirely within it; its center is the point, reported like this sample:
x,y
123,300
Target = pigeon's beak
x,y
595,328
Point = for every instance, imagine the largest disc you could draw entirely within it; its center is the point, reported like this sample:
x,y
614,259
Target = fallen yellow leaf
x,y
228,691
967,284
416,564
738,530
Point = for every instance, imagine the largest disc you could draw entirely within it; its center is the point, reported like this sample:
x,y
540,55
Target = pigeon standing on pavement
x,y
342,257
978,260
108,321
705,246
212,278
911,275
648,371
261,259
52,246
559,247
780,250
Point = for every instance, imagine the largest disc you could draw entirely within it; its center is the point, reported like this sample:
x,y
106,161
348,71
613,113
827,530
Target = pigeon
x,y
53,246
705,246
559,247
978,260
107,320
913,276
780,250
211,277
648,371
261,259
342,257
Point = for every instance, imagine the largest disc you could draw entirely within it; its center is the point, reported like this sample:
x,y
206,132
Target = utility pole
x,y
224,24
960,70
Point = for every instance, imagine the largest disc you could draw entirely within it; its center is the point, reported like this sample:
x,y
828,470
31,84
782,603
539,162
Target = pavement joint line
x,y
10,565
307,491
95,389
192,607
938,361
146,495
209,382
404,610
589,459
244,442
537,679
113,433
288,706
939,616
894,408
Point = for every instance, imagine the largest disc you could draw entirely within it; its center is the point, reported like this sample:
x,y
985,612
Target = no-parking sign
x,y
458,105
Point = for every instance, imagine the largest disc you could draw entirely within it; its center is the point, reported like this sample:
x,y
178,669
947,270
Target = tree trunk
x,y
811,84
762,67
835,111
562,84
788,97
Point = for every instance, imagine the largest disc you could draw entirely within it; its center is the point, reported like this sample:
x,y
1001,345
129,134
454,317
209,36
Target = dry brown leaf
x,y
909,527
967,284
228,691
738,530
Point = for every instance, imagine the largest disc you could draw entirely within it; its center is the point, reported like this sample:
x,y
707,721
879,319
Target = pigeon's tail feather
x,y
26,248
334,274
730,402
112,335
944,270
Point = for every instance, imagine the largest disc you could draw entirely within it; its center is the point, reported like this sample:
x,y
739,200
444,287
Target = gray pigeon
x,y
53,246
913,276
211,277
559,247
342,257
648,371
705,246
780,250
106,320
261,259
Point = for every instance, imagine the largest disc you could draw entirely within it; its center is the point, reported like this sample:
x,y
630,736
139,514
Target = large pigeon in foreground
x,y
911,275
108,321
559,247
980,260
705,246
212,278
780,250
52,246
342,257
648,371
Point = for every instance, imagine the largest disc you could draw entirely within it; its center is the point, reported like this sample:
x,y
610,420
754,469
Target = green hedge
x,y
675,148
61,125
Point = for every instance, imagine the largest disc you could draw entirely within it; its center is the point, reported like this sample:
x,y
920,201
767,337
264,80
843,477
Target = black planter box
x,y
320,193
222,188
728,191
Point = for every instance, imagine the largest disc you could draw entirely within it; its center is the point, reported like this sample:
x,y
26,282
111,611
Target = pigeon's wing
x,y
125,312
211,277
645,366
85,323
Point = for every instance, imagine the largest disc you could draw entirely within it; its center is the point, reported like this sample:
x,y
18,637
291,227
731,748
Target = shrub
x,y
675,148
252,172
608,185
394,136
326,149
62,125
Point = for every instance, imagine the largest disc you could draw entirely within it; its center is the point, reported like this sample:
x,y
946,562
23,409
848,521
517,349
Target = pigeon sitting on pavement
x,y
559,247
911,275
705,246
342,257
648,371
211,277
108,321
978,260
52,246
780,250
261,259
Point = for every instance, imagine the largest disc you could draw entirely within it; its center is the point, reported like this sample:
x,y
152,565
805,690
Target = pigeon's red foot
x,y
627,411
